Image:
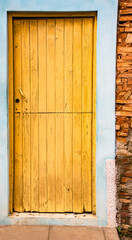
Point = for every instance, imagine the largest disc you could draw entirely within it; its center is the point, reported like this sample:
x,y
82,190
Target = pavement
x,y
57,233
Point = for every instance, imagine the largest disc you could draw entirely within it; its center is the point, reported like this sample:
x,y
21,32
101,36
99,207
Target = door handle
x,y
22,93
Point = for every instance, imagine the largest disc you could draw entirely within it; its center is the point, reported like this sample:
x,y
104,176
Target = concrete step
x,y
57,233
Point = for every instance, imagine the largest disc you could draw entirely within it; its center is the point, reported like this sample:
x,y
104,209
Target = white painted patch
x,y
53,215
111,192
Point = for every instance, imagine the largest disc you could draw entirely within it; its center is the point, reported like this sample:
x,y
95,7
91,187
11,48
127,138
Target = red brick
x,y
124,200
125,18
125,214
125,227
127,29
129,38
128,174
121,113
125,4
123,194
124,140
118,127
125,11
125,207
125,179
122,134
124,49
127,107
122,101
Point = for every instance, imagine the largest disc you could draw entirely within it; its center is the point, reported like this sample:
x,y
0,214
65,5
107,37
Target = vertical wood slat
x,y
18,158
77,65
77,108
94,119
87,64
34,65
68,107
26,163
87,78
59,83
34,161
51,161
77,163
86,162
42,51
59,65
18,206
68,70
34,108
51,65
26,117
25,87
59,162
68,162
11,109
17,64
51,120
42,142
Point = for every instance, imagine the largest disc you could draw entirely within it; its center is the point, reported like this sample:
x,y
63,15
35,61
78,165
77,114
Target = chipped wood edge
x,y
10,109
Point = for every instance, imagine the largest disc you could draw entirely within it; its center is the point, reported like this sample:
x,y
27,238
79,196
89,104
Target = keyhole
x,y
17,100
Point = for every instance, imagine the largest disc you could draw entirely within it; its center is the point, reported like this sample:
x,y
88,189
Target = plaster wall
x,y
111,193
105,103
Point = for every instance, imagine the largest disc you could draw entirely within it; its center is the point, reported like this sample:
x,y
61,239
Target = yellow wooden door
x,y
53,73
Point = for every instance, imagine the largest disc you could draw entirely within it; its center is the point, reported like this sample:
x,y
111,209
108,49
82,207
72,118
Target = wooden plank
x,y
60,162
68,67
34,65
68,107
59,65
10,109
42,48
34,117
26,118
94,122
77,164
17,64
18,195
42,51
87,62
25,65
77,65
43,198
18,119
51,65
51,161
86,162
68,161
52,14
34,162
51,121
59,80
26,163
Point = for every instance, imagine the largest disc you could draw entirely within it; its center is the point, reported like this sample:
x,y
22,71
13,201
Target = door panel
x,y
53,114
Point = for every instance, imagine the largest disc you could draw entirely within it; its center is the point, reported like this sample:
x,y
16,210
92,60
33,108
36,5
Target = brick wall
x,y
124,114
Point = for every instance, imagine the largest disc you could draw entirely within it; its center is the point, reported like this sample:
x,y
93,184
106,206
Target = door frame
x,y
12,15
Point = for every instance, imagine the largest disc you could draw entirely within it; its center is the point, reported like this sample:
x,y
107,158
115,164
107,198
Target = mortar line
x,y
103,233
49,233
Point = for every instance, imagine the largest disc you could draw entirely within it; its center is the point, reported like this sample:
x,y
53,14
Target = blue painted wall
x,y
106,56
